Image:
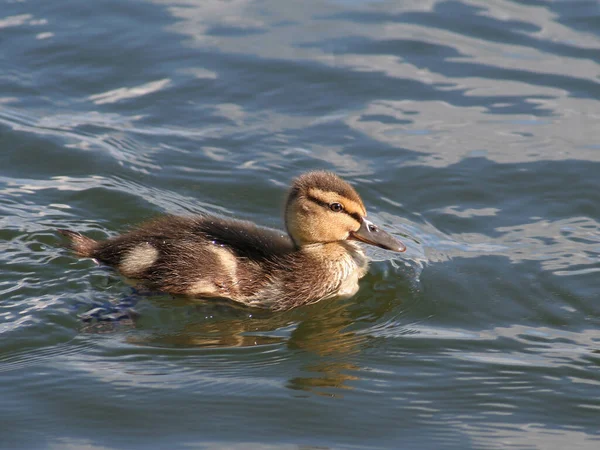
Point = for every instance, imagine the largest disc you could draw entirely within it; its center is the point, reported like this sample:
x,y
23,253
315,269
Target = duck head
x,y
321,207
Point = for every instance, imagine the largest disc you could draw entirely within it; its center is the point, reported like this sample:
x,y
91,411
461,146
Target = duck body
x,y
214,257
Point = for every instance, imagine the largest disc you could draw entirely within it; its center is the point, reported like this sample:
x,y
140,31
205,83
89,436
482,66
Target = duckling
x,y
213,257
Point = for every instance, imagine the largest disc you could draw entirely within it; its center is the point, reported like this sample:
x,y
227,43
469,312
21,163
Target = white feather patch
x,y
138,259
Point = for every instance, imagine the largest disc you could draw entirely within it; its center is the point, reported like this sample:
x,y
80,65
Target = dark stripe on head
x,y
320,202
355,216
324,181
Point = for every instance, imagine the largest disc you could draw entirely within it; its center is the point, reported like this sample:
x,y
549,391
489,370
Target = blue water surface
x,y
471,129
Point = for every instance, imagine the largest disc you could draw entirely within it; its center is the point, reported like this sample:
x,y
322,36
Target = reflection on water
x,y
319,332
325,336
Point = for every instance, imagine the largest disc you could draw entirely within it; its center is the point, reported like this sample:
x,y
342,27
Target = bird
x,y
206,256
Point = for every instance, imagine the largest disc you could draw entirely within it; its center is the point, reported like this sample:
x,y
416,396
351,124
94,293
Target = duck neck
x,y
336,253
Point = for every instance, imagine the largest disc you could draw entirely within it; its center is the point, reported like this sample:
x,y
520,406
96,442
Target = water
x,y
470,127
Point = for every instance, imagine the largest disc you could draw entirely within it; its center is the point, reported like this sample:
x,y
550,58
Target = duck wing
x,y
245,239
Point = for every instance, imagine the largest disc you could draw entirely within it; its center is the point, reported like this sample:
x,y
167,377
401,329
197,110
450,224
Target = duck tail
x,y
81,245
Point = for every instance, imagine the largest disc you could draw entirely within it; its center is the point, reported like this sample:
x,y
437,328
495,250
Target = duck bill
x,y
372,234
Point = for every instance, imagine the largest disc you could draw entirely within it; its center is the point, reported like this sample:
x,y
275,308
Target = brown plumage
x,y
207,256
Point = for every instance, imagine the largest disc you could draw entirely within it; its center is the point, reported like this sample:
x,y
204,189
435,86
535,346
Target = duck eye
x,y
336,207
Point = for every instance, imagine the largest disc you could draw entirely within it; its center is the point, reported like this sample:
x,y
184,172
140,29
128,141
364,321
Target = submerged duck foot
x,y
106,311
